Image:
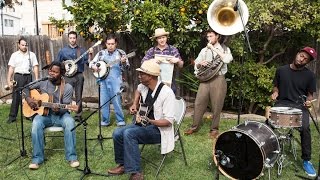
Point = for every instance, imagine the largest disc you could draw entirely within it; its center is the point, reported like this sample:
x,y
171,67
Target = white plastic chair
x,y
53,129
180,110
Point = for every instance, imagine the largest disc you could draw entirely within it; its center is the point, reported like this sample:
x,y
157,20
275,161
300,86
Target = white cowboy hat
x,y
159,32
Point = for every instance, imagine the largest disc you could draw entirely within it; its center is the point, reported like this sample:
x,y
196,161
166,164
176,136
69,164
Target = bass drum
x,y
244,151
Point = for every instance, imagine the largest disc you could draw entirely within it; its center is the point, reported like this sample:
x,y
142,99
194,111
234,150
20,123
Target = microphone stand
x,y
100,138
248,47
23,152
86,170
317,128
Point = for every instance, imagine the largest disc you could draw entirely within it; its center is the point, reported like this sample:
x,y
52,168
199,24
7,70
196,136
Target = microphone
x,y
42,79
235,7
224,160
98,64
123,88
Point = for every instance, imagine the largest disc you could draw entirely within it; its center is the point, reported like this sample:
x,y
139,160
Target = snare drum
x,y
284,117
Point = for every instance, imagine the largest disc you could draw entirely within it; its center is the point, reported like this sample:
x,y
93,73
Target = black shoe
x,y
9,121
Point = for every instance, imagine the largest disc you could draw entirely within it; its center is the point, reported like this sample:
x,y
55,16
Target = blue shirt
x,y
70,53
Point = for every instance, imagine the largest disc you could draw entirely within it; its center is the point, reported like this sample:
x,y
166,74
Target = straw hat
x,y
159,32
150,67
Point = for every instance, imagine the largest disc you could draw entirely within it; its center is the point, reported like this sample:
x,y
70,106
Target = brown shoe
x,y
214,134
117,170
190,131
136,176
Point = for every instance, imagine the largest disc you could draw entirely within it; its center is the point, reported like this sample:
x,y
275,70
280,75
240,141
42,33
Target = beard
x,y
298,65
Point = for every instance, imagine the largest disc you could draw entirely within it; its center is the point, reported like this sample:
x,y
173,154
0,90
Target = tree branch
x,y
274,56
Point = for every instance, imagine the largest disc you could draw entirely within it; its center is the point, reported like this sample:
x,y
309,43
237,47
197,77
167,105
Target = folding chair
x,y
52,129
180,109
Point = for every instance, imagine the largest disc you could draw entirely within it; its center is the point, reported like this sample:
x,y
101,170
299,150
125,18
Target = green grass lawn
x,y
199,152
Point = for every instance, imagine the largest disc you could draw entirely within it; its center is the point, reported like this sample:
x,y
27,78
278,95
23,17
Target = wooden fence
x,y
46,50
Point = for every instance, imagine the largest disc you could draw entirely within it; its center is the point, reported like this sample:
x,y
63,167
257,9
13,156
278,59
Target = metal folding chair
x,y
53,129
180,109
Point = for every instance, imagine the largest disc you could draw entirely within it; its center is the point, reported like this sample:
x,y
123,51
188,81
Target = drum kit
x,y
246,150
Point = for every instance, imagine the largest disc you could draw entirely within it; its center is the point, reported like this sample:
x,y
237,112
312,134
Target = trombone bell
x,y
223,19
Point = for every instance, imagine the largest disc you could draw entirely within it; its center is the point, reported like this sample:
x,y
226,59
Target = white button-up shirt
x,y
163,108
20,62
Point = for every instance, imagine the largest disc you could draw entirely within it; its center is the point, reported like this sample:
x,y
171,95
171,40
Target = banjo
x,y
104,67
71,65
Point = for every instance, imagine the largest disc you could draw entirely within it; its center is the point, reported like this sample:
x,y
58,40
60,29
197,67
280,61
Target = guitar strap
x,y
149,101
61,90
78,52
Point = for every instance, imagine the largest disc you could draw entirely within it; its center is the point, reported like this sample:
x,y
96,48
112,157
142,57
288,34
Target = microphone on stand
x,y
224,160
123,88
36,81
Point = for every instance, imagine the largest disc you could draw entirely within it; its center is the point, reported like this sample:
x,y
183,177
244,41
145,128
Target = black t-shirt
x,y
292,84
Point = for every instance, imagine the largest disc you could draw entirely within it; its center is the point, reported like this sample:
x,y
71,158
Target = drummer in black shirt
x,y
294,85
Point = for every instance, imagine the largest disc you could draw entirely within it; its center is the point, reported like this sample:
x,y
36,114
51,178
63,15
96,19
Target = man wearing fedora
x,y
163,48
159,129
294,86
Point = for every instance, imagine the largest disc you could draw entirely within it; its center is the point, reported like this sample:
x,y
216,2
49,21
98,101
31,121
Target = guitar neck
x,y
51,105
118,60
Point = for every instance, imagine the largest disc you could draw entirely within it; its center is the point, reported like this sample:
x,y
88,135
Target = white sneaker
x,y
74,163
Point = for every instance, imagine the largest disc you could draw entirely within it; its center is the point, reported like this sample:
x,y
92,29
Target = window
x,y
8,23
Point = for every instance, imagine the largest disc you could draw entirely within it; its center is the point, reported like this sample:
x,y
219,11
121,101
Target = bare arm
x,y
133,107
9,76
160,122
275,93
36,71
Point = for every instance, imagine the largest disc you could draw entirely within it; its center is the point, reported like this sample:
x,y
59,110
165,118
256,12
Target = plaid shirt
x,y
169,50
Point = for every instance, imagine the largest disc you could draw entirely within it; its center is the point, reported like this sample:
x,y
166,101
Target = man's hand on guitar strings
x,y
32,103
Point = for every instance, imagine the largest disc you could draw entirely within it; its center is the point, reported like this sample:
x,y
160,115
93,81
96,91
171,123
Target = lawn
x,y
198,151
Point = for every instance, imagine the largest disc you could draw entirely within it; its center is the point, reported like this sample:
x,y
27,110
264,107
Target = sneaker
x,y
309,169
121,123
105,123
74,163
33,166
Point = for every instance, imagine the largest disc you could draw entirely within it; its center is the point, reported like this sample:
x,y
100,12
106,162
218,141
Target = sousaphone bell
x,y
224,16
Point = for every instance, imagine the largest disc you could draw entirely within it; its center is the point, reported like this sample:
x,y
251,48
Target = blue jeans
x,y
40,122
109,88
126,142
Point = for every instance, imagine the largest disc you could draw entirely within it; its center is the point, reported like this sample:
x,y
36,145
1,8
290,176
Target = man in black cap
x,y
294,85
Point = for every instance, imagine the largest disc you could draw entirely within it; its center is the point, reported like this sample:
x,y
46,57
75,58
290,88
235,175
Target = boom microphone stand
x,y
100,138
23,152
86,170
237,8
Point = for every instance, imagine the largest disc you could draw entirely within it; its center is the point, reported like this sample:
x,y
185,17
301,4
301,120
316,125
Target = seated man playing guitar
x,y
159,126
60,93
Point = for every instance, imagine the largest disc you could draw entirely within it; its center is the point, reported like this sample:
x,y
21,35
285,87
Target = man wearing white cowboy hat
x,y
158,129
162,48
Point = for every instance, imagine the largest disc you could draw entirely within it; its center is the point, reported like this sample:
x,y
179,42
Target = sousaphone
x,y
227,17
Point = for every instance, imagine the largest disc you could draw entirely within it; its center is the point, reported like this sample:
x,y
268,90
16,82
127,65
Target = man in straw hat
x,y
163,48
294,86
159,129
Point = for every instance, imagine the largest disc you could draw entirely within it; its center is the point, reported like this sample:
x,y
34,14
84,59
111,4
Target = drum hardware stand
x,y
100,138
288,137
86,170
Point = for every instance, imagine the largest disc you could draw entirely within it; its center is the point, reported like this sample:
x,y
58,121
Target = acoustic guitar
x,y
43,103
140,118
